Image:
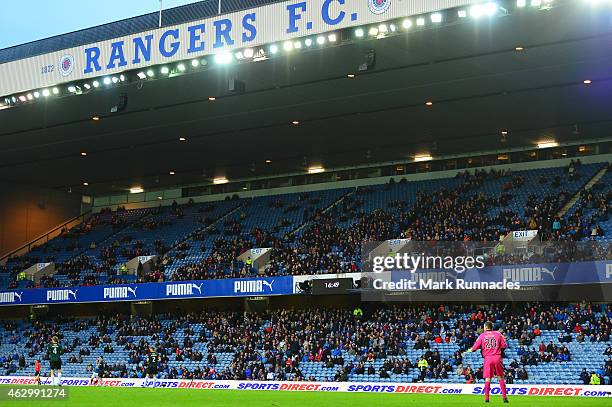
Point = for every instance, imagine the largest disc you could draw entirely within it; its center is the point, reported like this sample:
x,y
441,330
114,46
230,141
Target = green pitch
x,y
116,397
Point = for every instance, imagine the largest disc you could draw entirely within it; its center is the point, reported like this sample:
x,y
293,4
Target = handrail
x,y
48,236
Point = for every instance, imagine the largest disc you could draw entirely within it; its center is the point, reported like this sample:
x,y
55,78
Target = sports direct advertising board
x,y
247,28
346,387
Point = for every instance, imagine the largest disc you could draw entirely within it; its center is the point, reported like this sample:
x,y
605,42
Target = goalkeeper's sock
x,y
52,380
502,384
59,379
487,390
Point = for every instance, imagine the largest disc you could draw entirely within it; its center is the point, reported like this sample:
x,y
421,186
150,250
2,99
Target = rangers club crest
x,y
66,65
379,6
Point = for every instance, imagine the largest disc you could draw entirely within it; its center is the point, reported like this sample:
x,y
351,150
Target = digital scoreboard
x,y
332,286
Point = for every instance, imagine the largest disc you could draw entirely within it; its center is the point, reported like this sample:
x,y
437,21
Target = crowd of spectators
x,y
331,240
274,345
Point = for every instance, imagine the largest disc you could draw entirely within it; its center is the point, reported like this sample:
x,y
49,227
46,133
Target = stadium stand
x,y
322,231
589,216
547,343
72,243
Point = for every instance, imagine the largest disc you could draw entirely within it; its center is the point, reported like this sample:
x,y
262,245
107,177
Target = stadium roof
x,y
171,16
478,82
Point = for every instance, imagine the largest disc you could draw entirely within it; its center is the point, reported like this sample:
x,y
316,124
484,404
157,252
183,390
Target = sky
x,y
23,21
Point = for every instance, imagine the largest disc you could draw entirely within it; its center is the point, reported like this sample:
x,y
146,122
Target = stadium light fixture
x,y
142,75
107,81
45,93
476,11
287,46
462,14
350,76
373,31
195,63
212,98
150,73
224,58
95,84
87,86
85,184
547,144
181,67
332,38
423,158
182,139
521,3
359,33
95,118
22,98
71,89
316,170
490,8
30,96
122,78
114,79
83,154
268,161
55,91
172,173
295,122
136,190
429,103
407,23
420,21
308,42
297,44
220,181
164,70
36,94
320,40
248,53
436,18
536,3
273,49
487,9
382,28
587,81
